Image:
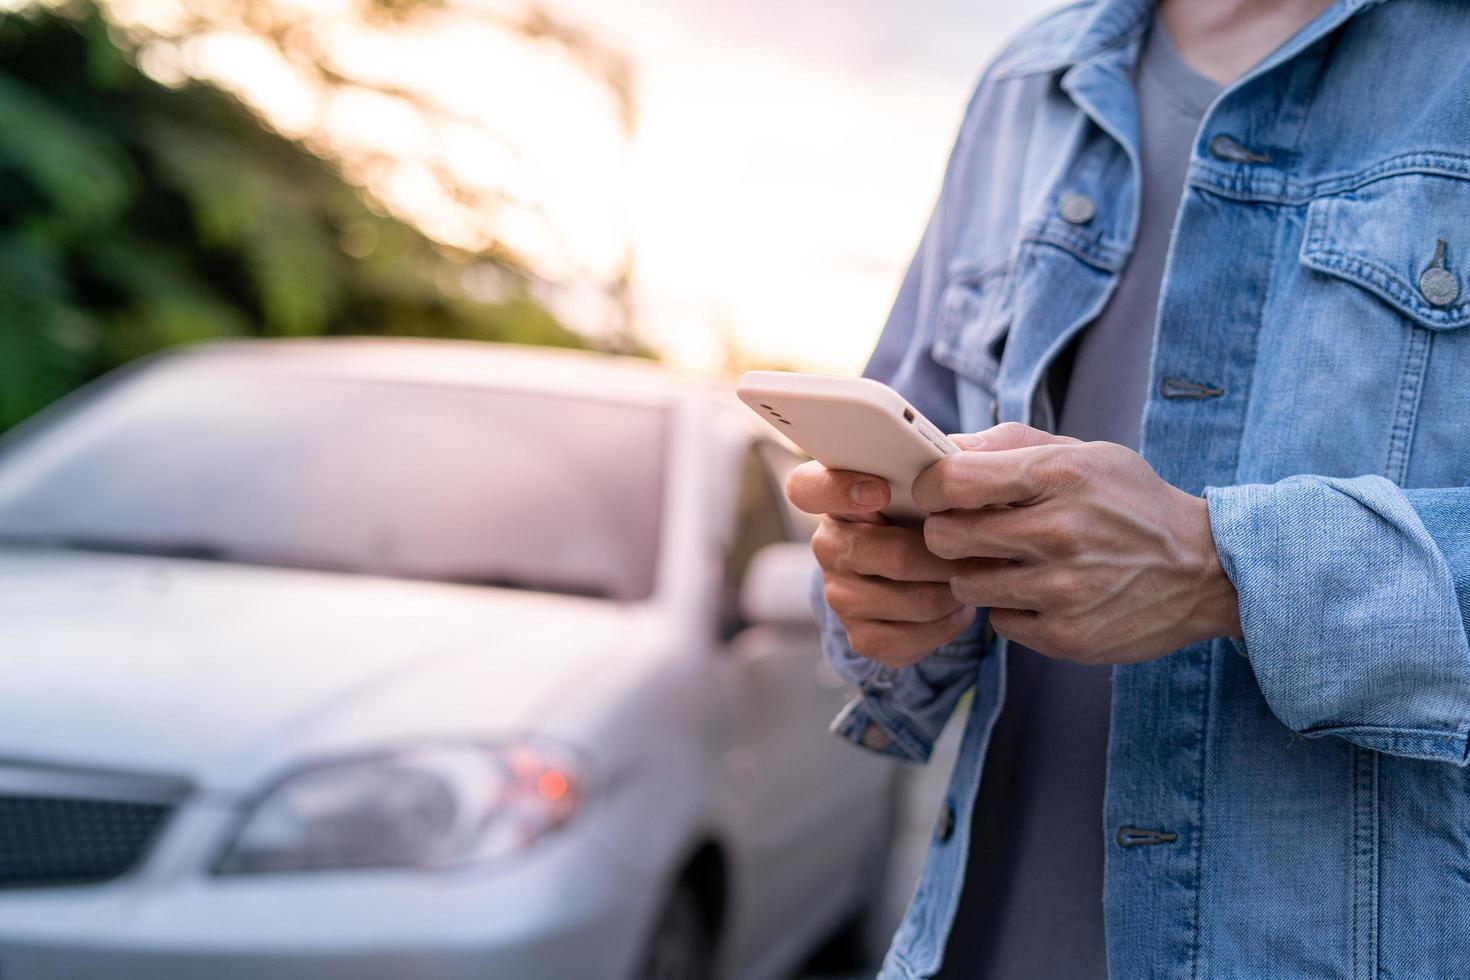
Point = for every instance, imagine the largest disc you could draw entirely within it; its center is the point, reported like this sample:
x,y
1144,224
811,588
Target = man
x,y
1221,688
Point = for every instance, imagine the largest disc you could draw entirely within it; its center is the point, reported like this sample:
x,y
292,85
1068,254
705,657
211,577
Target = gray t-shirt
x,y
1032,899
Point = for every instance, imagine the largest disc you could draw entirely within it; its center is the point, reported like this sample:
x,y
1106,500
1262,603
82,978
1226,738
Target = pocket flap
x,y
973,319
1386,238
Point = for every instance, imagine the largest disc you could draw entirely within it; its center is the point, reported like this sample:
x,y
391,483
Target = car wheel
x,y
682,946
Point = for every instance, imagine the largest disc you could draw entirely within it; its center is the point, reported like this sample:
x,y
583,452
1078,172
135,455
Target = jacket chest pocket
x,y
1405,239
1387,298
972,323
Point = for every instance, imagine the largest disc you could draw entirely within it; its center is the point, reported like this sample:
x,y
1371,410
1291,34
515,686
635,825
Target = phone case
x,y
851,424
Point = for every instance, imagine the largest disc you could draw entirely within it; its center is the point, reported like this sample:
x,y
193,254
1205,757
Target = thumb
x,y
1009,435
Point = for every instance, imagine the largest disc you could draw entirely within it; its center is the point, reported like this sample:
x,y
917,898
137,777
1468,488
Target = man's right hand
x,y
890,592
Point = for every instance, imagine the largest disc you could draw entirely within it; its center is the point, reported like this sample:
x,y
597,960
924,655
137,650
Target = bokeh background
x,y
708,185
714,184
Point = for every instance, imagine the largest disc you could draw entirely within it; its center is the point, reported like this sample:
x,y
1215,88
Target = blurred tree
x,y
134,216
307,51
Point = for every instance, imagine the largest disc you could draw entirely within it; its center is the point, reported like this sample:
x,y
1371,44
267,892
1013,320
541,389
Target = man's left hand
x,y
1081,551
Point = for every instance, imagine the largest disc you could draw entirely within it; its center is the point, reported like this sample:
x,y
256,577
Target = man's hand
x,y
890,592
1104,561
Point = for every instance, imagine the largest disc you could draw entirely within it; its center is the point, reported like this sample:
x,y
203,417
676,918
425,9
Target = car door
x,y
812,801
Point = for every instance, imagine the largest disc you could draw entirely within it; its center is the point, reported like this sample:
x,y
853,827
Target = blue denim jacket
x,y
1296,802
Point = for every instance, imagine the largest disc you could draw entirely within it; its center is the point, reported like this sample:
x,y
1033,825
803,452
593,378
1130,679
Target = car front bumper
x,y
562,910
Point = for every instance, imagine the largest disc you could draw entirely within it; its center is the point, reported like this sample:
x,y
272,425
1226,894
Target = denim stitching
x,y
993,317
1355,757
1272,280
914,747
1416,743
1365,832
1372,869
1267,187
1044,64
1387,284
1197,843
1406,412
1095,250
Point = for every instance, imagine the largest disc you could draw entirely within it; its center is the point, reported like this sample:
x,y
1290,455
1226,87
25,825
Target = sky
x,y
784,161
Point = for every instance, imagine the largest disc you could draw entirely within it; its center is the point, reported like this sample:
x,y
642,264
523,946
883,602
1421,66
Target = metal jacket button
x,y
945,826
876,738
1438,283
1076,208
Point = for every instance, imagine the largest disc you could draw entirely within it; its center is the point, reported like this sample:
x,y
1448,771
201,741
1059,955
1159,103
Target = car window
x,y
781,462
471,484
760,520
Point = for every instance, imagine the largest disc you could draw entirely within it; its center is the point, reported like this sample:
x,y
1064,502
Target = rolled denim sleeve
x,y
1353,602
898,712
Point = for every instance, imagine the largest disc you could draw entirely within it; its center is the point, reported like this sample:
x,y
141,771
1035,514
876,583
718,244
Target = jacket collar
x,y
1108,25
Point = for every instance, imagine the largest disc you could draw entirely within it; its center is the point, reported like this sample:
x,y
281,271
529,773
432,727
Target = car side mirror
x,y
777,586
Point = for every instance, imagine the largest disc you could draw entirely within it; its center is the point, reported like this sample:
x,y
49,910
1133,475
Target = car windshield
x,y
548,492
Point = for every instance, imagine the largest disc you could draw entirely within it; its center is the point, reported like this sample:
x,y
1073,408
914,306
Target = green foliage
x,y
134,216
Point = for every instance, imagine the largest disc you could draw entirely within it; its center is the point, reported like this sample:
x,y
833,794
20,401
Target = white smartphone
x,y
851,424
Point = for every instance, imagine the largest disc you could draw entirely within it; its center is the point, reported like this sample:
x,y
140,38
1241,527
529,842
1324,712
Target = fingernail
x,y
867,493
970,440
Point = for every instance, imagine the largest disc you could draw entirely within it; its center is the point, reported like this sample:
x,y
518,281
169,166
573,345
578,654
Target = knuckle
x,y
1065,532
951,481
892,552
1111,454
837,595
935,602
1061,588
825,544
929,488
866,642
1066,466
1011,624
934,487
862,547
1013,433
1048,537
960,621
906,557
939,536
966,588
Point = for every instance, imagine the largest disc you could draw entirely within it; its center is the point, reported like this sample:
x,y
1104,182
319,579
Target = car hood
x,y
217,672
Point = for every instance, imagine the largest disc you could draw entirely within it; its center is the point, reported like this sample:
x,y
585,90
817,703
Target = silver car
x,y
376,659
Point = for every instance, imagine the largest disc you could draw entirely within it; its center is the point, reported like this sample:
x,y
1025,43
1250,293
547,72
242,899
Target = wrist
x,y
1217,610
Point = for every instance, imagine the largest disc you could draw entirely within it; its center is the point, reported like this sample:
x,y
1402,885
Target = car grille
x,y
58,841
60,827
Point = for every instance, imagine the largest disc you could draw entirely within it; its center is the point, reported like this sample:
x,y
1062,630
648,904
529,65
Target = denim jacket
x,y
1294,802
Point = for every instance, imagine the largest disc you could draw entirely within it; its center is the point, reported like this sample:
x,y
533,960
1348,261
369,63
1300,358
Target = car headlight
x,y
431,806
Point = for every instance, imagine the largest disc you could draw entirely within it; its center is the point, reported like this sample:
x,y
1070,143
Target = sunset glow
x,y
781,169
